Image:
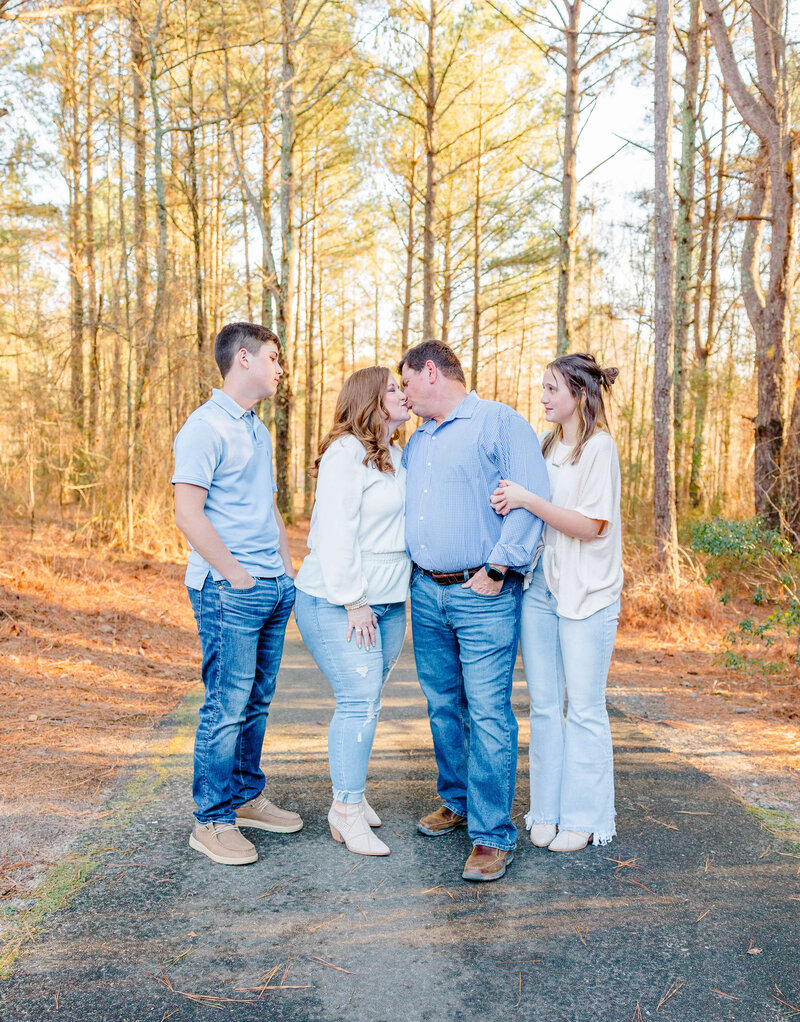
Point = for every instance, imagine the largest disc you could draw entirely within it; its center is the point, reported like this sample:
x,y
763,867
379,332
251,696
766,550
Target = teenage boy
x,y
240,583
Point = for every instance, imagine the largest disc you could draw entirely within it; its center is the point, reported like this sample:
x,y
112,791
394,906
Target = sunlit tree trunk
x,y
666,534
684,234
767,111
569,219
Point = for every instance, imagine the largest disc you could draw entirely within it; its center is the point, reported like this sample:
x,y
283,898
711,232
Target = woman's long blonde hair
x,y
360,412
586,381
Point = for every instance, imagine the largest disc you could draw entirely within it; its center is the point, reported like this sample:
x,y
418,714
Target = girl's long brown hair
x,y
586,382
360,412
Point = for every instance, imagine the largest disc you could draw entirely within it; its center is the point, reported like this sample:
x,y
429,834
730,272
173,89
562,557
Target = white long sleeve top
x,y
356,539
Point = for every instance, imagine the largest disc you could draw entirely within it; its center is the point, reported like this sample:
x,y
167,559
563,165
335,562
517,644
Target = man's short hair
x,y
235,336
442,356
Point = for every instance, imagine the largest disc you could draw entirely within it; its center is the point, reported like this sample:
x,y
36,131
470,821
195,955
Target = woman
x,y
570,610
352,587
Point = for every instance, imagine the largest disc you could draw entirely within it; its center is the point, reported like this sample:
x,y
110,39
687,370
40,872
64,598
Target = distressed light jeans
x,y
241,633
356,676
572,760
465,646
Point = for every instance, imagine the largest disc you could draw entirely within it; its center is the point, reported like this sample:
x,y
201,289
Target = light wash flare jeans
x,y
572,762
356,677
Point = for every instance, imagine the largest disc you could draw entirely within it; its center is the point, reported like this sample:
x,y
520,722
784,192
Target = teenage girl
x,y
570,610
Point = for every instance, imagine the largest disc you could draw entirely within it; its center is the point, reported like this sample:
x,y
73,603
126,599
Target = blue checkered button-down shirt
x,y
453,468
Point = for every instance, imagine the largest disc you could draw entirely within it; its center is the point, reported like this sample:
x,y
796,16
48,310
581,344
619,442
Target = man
x,y
465,594
240,582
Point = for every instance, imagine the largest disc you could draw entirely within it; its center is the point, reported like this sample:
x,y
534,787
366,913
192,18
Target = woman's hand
x,y
509,495
363,623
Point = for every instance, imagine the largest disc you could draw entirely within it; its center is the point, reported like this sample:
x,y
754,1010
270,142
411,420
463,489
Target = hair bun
x,y
609,375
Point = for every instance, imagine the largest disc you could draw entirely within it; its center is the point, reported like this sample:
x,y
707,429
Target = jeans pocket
x,y
225,587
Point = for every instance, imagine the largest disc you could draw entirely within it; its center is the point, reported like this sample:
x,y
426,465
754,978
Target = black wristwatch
x,y
495,574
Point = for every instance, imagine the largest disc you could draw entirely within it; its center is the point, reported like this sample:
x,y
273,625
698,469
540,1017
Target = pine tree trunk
x,y
568,220
684,234
429,237
663,427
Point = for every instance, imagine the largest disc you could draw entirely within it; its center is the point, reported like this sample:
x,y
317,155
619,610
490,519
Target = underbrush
x,y
739,587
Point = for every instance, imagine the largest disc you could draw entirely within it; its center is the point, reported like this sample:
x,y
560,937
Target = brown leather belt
x,y
450,578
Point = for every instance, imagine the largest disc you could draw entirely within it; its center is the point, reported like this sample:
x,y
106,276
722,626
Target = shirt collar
x,y
463,410
235,410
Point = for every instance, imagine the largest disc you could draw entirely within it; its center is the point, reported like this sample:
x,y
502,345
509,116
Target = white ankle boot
x,y
349,825
370,815
569,841
542,834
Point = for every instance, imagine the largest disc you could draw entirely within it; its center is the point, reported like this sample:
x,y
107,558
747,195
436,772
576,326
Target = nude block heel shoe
x,y
351,829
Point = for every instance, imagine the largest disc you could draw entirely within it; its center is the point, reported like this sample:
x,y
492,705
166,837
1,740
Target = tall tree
x,y
666,532
766,110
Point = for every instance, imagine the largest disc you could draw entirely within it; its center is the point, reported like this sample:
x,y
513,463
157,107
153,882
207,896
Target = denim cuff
x,y
493,844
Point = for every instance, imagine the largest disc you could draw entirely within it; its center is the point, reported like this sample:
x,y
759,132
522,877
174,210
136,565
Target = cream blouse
x,y
585,576
356,540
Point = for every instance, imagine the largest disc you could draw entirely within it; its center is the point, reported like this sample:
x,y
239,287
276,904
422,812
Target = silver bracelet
x,y
362,601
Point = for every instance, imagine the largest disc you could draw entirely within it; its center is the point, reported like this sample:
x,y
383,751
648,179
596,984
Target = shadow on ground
x,y
692,913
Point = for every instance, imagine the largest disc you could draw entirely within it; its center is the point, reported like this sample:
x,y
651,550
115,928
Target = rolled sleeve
x,y
521,461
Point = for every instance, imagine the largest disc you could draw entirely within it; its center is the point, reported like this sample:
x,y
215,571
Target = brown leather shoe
x,y
441,821
486,863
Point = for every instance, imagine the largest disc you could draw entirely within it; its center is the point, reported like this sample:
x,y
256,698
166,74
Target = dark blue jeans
x,y
241,634
465,646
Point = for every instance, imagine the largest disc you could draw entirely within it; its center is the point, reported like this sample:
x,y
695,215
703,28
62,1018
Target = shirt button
x,y
421,517
422,546
429,464
424,491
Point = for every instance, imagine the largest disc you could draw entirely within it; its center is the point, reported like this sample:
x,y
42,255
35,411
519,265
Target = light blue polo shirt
x,y
228,452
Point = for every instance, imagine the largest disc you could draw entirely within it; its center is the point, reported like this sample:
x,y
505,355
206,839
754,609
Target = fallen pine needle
x,y
703,915
330,965
792,1006
622,863
661,823
353,868
430,890
581,936
671,992
361,910
723,994
690,812
326,923
519,998
630,880
524,961
382,882
183,954
637,1013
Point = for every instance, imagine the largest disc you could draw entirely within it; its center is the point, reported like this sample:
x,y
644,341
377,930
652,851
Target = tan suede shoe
x,y
486,863
223,843
259,812
441,821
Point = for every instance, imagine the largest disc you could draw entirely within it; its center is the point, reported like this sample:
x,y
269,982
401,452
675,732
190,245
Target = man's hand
x,y
242,580
482,584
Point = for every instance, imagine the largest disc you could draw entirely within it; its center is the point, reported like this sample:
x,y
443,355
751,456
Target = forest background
x,y
362,175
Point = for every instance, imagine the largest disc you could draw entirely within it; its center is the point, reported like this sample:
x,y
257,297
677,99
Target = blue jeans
x,y
356,677
465,646
241,634
572,761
